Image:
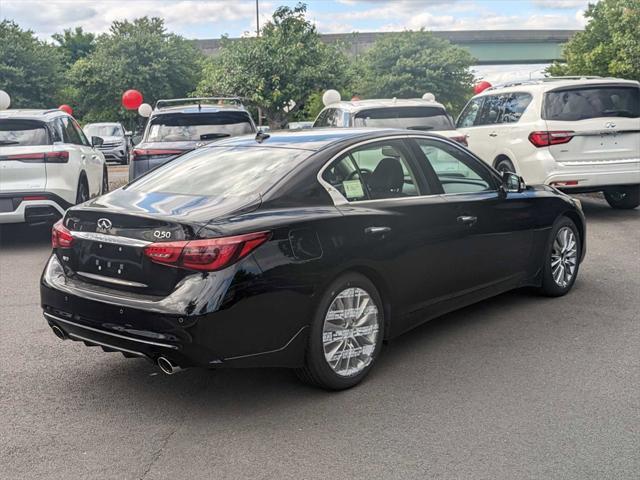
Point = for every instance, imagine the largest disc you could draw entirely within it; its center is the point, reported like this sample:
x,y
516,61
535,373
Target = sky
x,y
213,18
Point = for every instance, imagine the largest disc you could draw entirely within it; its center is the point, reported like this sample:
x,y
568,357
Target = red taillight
x,y
146,152
208,254
49,157
545,139
34,197
60,236
461,139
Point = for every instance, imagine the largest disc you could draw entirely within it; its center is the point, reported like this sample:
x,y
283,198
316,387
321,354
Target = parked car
x,y
576,134
302,249
181,125
116,141
413,114
47,164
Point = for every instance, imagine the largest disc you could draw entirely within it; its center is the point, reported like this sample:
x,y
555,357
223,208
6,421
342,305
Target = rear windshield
x,y
593,102
198,126
413,118
222,171
103,131
23,132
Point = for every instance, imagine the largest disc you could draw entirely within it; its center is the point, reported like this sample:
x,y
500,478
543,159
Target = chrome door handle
x,y
94,157
493,134
377,230
467,219
83,157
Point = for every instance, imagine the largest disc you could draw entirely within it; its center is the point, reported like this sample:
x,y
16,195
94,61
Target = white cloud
x,y
562,4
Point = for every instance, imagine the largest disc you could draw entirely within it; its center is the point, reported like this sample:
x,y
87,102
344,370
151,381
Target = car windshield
x,y
592,102
198,126
23,132
222,171
413,118
103,131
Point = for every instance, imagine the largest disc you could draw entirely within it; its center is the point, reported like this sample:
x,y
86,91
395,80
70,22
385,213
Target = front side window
x,y
181,127
376,171
470,113
412,118
456,171
23,133
592,102
222,171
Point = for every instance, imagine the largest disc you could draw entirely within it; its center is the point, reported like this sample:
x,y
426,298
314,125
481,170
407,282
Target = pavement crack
x,y
158,453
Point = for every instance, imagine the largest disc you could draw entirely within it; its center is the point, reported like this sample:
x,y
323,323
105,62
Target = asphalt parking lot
x,y
517,387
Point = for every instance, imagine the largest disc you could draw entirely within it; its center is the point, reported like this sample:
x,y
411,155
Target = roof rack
x,y
174,102
538,81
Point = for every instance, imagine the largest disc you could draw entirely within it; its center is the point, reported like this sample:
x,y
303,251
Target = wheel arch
x,y
578,221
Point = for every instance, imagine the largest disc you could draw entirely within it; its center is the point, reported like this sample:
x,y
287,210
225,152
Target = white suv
x,y
577,134
46,165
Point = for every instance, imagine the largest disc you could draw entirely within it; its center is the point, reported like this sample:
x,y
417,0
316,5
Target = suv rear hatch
x,y
594,123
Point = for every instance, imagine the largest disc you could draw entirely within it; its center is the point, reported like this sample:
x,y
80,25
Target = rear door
x,y
604,119
23,144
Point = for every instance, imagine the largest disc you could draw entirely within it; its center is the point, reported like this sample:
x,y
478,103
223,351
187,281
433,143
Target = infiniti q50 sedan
x,y
303,250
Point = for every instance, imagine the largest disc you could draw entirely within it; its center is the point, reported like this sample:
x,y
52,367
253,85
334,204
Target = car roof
x,y
553,83
198,109
311,139
32,113
103,123
359,105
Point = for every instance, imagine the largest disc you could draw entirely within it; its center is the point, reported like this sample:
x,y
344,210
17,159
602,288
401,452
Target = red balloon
x,y
66,108
481,87
131,99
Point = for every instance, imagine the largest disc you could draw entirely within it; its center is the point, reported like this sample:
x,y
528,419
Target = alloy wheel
x,y
350,331
564,257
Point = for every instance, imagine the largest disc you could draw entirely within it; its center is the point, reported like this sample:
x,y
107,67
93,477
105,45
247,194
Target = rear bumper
x,y
243,335
47,208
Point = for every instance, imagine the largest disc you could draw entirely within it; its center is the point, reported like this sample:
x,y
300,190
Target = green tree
x,y
141,55
409,64
30,70
74,44
608,46
287,62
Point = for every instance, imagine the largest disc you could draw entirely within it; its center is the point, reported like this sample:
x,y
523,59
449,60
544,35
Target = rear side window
x,y
513,107
413,118
181,127
592,102
222,171
23,133
69,132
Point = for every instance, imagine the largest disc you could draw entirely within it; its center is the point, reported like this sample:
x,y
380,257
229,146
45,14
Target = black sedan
x,y
303,250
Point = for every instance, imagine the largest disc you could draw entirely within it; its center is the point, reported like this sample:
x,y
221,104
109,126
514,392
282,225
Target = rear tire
x,y
82,194
505,165
562,258
624,197
348,325
105,181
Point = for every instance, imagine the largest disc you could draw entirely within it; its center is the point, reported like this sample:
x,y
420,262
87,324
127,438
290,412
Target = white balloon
x,y
289,106
5,100
145,110
330,97
429,97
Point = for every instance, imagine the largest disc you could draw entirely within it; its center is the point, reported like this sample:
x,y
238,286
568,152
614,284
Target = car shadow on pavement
x,y
19,235
596,208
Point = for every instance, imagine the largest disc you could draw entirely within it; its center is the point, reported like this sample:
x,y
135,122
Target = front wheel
x,y
562,258
624,197
346,334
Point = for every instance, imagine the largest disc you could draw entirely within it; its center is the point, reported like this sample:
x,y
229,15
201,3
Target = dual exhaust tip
x,y
164,364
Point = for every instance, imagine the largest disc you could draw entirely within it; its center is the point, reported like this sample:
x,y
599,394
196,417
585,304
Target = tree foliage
x,y
287,62
74,44
609,45
30,70
409,64
139,55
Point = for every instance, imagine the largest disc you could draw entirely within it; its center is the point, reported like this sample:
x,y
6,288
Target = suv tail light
x,y
461,139
545,139
48,157
209,254
61,236
139,153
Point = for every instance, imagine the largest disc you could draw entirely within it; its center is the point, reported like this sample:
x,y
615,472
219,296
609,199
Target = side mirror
x,y
97,141
512,183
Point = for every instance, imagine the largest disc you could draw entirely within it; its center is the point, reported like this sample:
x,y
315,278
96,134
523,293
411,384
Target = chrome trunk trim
x,y
115,239
116,281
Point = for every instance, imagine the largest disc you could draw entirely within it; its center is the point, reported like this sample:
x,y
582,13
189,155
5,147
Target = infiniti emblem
x,y
610,125
104,224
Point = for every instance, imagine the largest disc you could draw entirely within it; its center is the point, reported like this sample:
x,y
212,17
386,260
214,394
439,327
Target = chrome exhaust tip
x,y
167,366
58,332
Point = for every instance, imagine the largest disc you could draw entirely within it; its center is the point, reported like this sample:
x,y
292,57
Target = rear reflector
x,y
34,197
566,183
209,254
461,139
49,157
545,139
60,236
146,152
